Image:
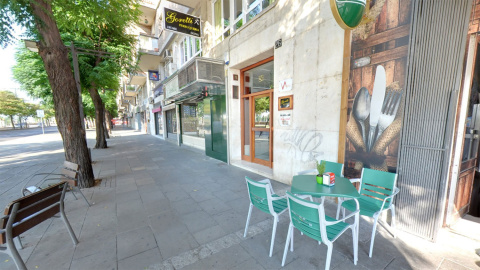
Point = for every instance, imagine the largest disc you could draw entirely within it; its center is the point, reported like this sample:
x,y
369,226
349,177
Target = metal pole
x,y
76,73
43,130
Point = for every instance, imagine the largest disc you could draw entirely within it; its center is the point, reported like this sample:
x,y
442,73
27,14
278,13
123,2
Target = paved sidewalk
x,y
160,206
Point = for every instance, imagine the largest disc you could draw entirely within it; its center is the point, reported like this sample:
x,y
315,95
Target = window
x,y
192,120
230,15
189,48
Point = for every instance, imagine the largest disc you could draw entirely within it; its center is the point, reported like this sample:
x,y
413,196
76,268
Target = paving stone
x,y
95,245
53,252
104,259
175,241
127,196
142,260
226,259
176,195
214,206
185,206
135,241
209,234
190,257
157,206
201,195
198,221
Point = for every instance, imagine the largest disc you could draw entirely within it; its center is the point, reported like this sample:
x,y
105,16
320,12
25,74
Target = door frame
x,y
243,96
451,213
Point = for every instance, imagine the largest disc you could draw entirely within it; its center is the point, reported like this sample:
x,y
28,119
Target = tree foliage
x,y
9,103
94,25
30,73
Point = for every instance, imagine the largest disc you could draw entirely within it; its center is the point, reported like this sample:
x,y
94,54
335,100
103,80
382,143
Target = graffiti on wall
x,y
304,145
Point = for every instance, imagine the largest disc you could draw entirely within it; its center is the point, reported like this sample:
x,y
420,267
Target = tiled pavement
x,y
160,206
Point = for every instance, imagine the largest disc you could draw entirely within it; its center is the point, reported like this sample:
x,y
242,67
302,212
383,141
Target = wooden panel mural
x,y
379,61
474,25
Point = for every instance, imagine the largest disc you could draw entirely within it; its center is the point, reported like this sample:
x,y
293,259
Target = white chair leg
x,y
338,208
373,233
329,255
392,210
289,241
275,222
248,220
355,243
291,244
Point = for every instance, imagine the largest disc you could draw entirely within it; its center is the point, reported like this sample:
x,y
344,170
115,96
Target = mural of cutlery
x,y
389,111
361,109
378,96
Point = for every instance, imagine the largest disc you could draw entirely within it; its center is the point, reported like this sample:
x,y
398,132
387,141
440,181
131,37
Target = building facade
x,y
274,86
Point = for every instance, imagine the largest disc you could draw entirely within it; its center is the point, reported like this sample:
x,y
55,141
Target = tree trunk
x,y
11,119
99,118
108,120
65,94
106,130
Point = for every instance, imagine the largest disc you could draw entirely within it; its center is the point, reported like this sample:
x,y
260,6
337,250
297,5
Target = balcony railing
x,y
148,44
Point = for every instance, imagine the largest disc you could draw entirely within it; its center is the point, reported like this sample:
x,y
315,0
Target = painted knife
x,y
378,96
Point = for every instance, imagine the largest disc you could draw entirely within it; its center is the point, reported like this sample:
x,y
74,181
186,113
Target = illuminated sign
x,y
181,23
348,13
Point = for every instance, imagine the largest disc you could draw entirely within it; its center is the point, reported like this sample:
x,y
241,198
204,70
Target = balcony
x,y
149,56
148,44
148,9
137,78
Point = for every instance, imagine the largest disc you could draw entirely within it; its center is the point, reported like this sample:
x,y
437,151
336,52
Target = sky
x,y
7,60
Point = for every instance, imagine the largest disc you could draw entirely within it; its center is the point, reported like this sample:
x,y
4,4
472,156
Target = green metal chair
x,y
377,190
336,168
310,219
264,198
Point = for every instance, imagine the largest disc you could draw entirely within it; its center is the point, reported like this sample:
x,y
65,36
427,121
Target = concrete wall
x,y
311,55
192,141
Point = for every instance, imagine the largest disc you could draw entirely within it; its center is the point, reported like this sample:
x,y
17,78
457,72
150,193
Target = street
x,y
7,134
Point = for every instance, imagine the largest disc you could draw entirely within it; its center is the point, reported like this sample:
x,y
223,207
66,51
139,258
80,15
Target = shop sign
x,y
286,85
159,109
153,75
285,119
348,13
181,23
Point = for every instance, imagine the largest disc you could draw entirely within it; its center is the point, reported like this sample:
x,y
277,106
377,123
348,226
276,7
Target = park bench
x,y
68,174
27,212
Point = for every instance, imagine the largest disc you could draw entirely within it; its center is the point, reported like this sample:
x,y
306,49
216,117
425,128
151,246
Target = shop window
x,y
231,15
192,120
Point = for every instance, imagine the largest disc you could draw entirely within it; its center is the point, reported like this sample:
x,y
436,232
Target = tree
x,y
10,105
36,84
28,110
100,26
38,18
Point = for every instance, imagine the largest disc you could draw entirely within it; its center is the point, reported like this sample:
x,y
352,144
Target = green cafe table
x,y
307,185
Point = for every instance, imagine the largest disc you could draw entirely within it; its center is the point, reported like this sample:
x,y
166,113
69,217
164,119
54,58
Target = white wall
x,y
312,56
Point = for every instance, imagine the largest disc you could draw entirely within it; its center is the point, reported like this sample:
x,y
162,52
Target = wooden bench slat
x,y
43,196
70,165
